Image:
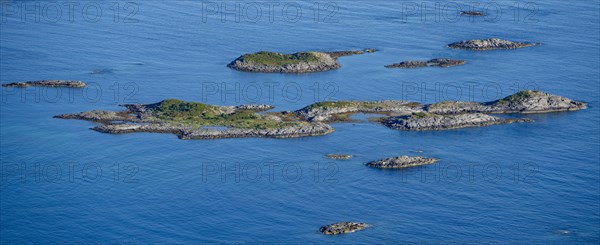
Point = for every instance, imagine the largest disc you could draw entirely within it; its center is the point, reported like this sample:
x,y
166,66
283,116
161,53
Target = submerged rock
x,y
472,13
490,44
427,121
47,83
102,71
342,227
527,101
439,62
303,62
402,162
339,156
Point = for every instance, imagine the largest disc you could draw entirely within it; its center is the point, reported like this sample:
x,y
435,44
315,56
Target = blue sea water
x,y
521,183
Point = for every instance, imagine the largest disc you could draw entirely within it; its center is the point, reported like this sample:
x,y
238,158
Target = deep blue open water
x,y
519,183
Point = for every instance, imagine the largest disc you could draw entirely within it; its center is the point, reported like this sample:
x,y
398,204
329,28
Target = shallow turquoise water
x,y
526,183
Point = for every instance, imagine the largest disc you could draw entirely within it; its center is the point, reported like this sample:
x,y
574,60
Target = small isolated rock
x,y
490,44
47,83
402,162
342,227
370,50
339,156
472,13
439,62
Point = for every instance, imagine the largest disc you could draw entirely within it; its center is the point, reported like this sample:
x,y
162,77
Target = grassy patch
x,y
520,96
277,59
420,115
200,114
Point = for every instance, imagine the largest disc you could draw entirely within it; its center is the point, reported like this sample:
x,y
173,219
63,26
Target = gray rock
x,y
439,62
342,228
527,101
97,116
47,83
259,107
339,156
335,111
427,121
402,162
490,44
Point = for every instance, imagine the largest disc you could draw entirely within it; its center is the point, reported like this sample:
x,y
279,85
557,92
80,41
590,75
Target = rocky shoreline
x,y
302,62
438,62
47,83
401,162
342,228
424,121
490,44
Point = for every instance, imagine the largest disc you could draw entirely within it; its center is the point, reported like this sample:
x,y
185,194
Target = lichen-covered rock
x,y
439,62
428,121
339,156
530,101
490,44
188,132
333,111
342,228
402,162
98,116
527,101
47,83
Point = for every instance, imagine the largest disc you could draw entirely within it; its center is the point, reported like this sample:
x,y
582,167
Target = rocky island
x,y
439,62
422,121
402,162
192,120
47,83
342,228
527,101
302,62
490,44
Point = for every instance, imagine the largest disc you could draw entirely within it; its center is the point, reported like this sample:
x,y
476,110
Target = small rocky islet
x,y
47,83
490,44
339,156
342,228
472,13
438,62
193,120
301,62
401,162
